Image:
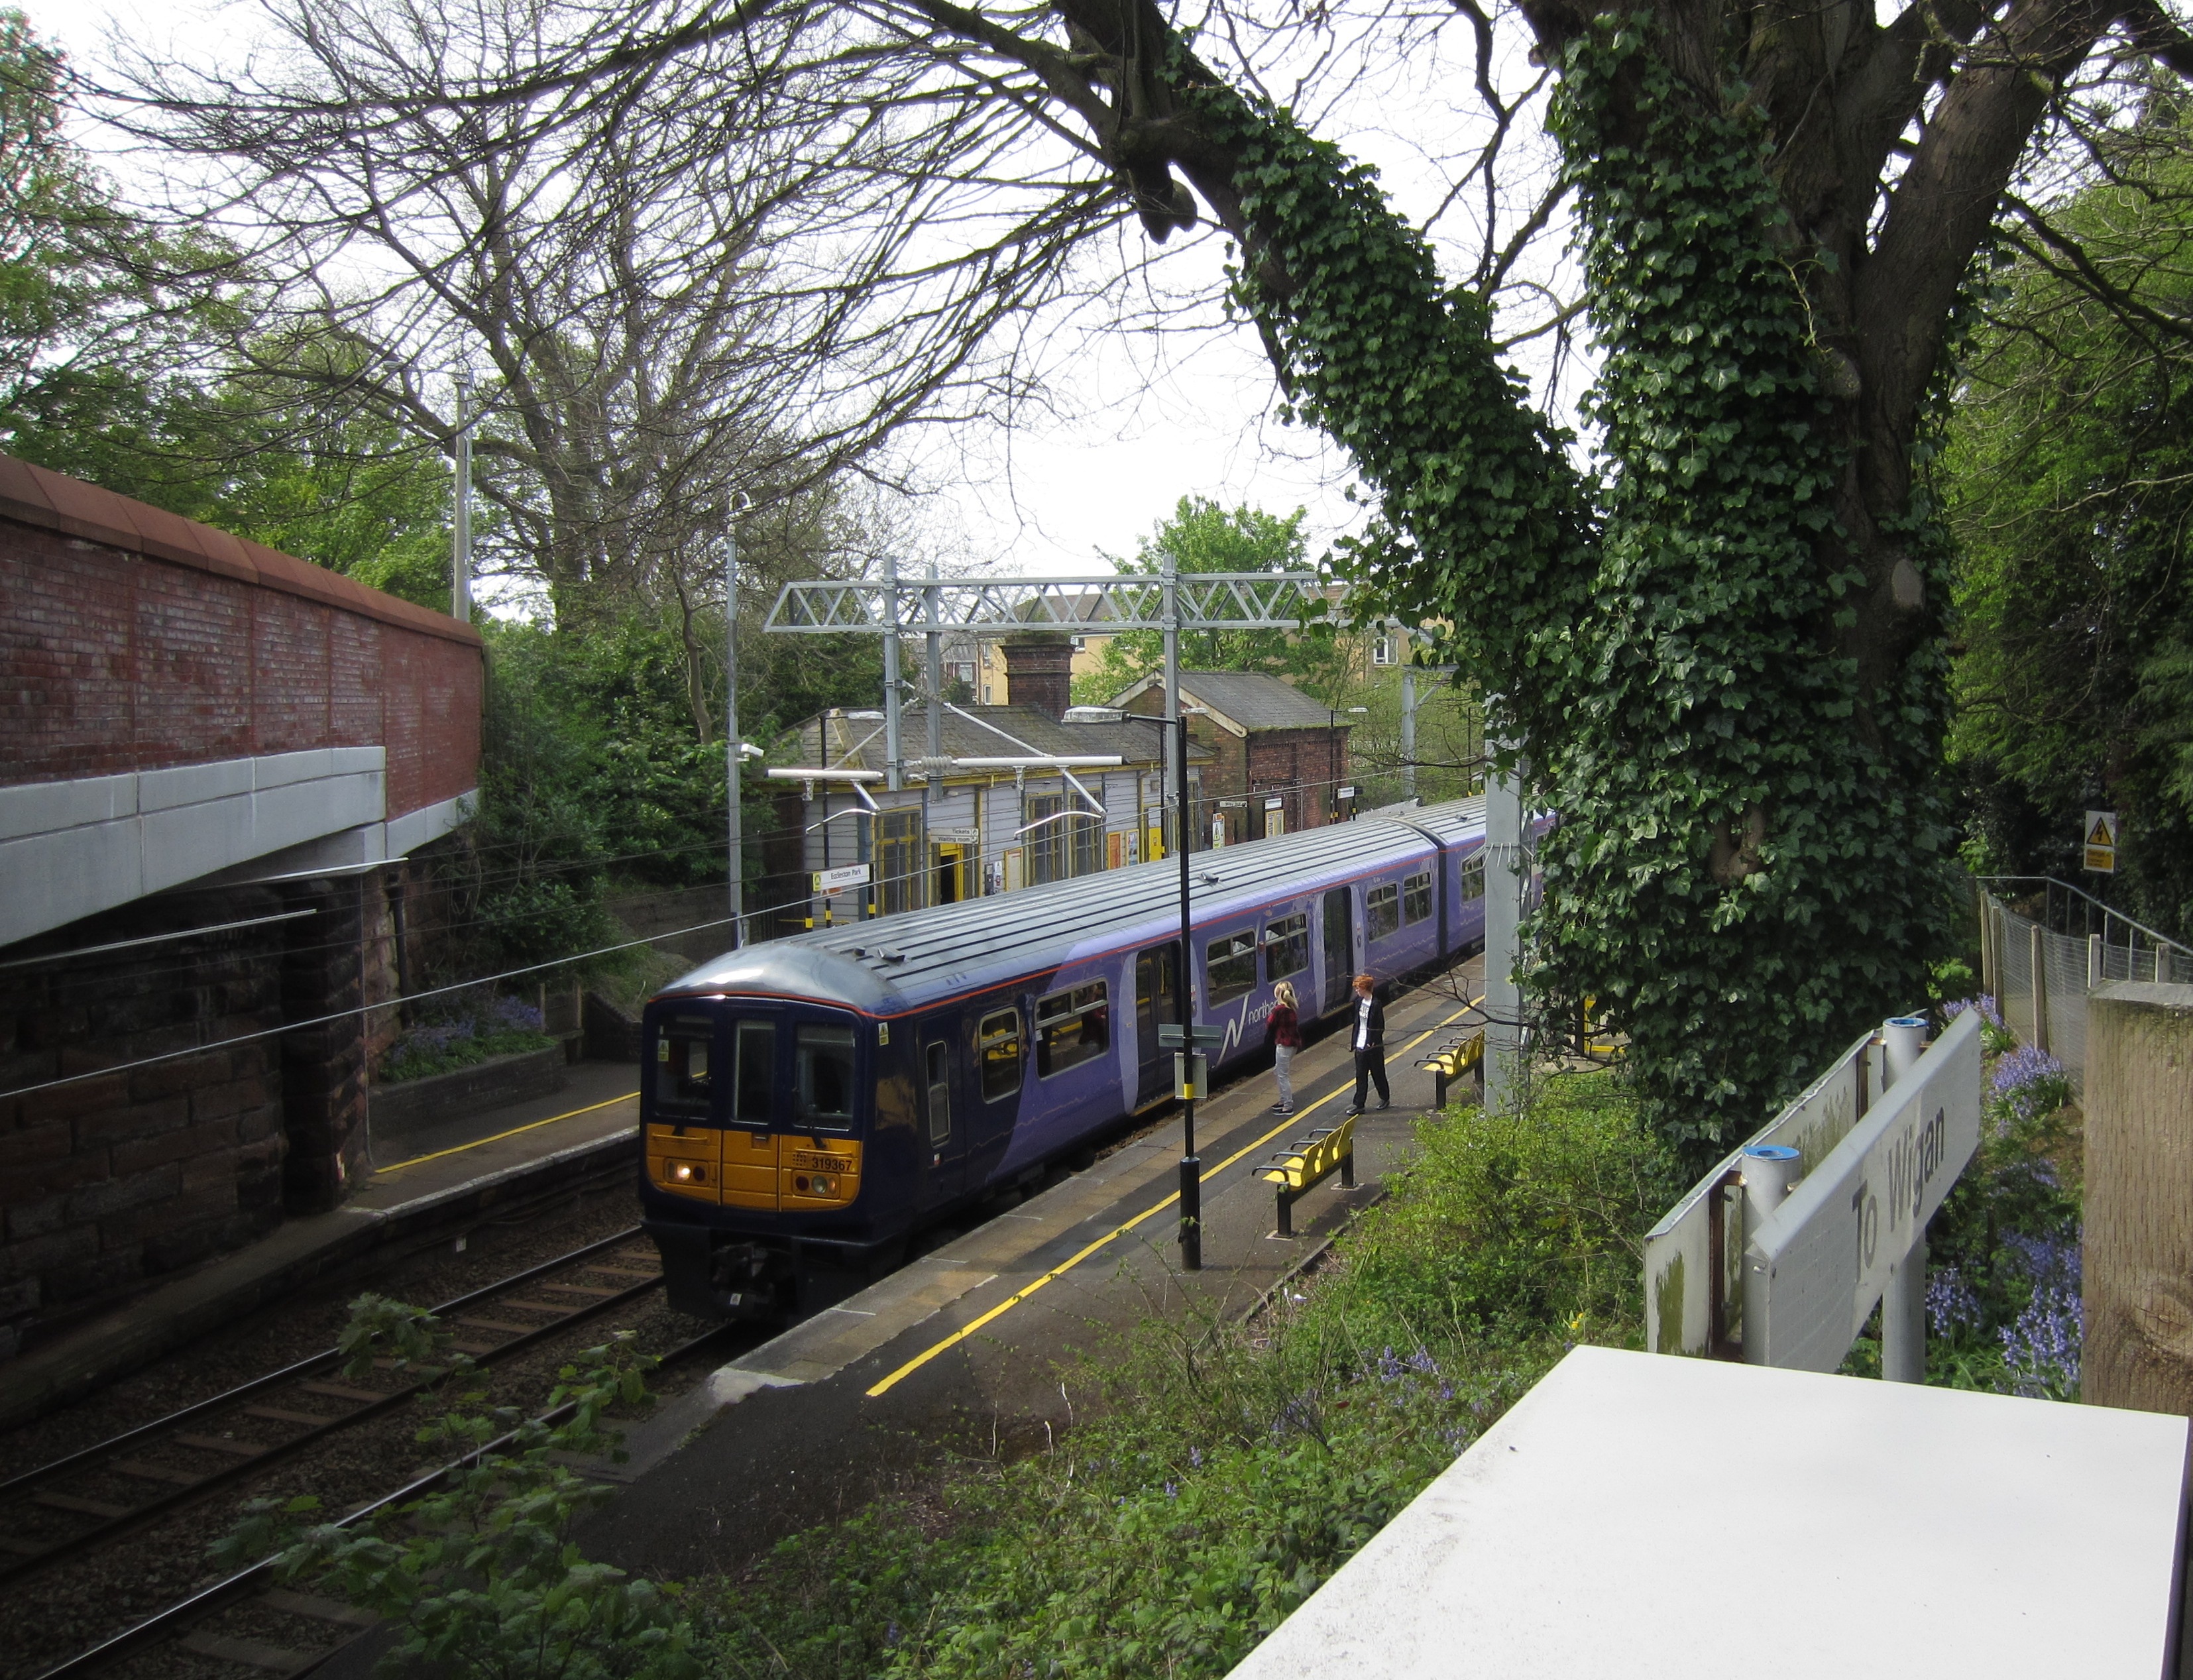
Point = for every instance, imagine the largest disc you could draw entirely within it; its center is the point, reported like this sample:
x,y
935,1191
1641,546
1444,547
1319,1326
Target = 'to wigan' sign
x,y
1813,1269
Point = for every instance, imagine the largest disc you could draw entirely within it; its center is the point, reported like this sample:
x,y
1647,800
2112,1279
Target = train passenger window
x,y
1229,966
683,1087
1416,898
997,1046
937,1066
1382,911
1071,1027
1286,948
756,1079
1472,877
823,1075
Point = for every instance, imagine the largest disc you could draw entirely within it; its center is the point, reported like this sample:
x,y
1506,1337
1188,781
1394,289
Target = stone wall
x,y
109,1181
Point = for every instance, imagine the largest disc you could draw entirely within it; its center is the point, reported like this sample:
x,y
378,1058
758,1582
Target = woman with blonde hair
x,y
1283,1035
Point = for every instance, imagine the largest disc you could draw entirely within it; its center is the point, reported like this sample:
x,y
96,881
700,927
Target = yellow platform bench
x,y
1307,1162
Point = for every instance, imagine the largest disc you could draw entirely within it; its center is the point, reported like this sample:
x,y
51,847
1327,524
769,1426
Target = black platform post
x,y
1191,1168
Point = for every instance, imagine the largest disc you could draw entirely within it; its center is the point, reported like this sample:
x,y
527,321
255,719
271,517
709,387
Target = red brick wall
x,y
1302,766
131,639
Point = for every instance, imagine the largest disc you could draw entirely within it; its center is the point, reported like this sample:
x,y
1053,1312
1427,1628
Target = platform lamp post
x,y
1332,744
736,751
1191,1166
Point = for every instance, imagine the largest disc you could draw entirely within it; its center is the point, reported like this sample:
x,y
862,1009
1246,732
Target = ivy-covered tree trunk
x,y
1726,661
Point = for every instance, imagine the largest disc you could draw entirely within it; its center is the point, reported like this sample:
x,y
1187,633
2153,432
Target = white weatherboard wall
x,y
1651,1518
72,848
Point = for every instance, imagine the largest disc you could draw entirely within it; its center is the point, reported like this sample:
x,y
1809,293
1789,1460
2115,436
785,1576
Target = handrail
x,y
2108,910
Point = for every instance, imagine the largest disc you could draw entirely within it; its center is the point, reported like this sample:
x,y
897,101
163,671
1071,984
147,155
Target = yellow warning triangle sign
x,y
2101,834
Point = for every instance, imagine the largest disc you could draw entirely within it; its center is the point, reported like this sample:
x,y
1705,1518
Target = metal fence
x,y
2041,973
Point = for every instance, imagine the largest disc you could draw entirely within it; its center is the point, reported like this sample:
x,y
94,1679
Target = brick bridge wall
x,y
133,640
115,1179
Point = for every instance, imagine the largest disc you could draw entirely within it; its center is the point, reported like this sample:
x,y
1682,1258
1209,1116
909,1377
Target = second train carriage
x,y
810,1103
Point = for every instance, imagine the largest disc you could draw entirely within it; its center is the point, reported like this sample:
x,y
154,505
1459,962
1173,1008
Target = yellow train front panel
x,y
686,1160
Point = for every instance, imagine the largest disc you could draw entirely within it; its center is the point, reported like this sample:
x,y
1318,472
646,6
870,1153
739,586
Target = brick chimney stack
x,y
1039,671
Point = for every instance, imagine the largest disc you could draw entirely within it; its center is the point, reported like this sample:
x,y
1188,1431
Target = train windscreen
x,y
685,1087
823,1076
756,1083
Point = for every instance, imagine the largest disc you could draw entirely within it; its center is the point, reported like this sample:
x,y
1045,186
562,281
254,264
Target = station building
x,y
1264,759
215,761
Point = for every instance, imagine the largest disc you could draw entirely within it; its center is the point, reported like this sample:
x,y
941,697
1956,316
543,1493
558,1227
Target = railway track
x,y
246,1622
93,1497
71,1510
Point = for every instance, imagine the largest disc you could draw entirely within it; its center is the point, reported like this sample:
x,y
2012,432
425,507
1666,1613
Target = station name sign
x,y
836,880
1814,1268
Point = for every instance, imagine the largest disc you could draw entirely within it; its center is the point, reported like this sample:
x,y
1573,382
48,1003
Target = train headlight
x,y
686,1172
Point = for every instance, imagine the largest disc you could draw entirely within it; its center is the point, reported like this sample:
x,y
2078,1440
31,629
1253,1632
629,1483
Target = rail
x,y
32,1505
178,1618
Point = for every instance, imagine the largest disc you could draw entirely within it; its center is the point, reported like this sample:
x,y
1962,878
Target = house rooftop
x,y
1245,700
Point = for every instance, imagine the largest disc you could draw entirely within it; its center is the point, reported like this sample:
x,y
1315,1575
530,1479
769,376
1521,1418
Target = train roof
x,y
904,961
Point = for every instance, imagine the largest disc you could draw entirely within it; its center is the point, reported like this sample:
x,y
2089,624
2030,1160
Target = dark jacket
x,y
1376,1035
1281,1027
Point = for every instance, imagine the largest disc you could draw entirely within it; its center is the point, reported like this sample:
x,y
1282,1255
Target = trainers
x,y
1282,1108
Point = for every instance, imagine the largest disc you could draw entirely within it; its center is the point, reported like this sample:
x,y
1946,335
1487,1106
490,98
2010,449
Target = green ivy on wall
x,y
1748,863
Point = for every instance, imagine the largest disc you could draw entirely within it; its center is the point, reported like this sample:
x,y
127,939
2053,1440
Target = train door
x,y
1339,948
944,1117
990,1094
1155,1005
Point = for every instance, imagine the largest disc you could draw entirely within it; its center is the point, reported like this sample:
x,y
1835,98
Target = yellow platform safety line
x,y
1066,1265
530,1126
1316,1157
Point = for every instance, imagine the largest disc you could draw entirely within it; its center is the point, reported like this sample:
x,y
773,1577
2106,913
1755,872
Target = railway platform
x,y
967,1344
433,1185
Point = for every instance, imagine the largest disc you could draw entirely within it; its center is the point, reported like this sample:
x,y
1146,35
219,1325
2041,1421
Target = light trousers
x,y
1283,1055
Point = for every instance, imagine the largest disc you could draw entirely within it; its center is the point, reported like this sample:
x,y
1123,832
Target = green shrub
x,y
1515,1224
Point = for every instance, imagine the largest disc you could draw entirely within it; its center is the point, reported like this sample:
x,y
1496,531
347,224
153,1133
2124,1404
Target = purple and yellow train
x,y
809,1103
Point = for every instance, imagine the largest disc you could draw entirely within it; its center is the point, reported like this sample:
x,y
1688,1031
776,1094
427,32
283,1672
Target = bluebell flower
x,y
1951,1304
1984,1003
2042,1347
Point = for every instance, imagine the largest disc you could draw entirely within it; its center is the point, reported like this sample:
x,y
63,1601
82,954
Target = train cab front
x,y
757,1138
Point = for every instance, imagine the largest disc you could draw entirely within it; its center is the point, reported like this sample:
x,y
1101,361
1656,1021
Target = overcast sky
x,y
1136,425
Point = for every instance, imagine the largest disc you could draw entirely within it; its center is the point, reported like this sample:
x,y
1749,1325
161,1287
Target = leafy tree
x,y
1724,656
2070,465
1203,536
85,289
265,458
1724,662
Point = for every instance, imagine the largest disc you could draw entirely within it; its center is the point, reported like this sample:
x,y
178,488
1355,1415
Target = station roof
x,y
1246,701
839,739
